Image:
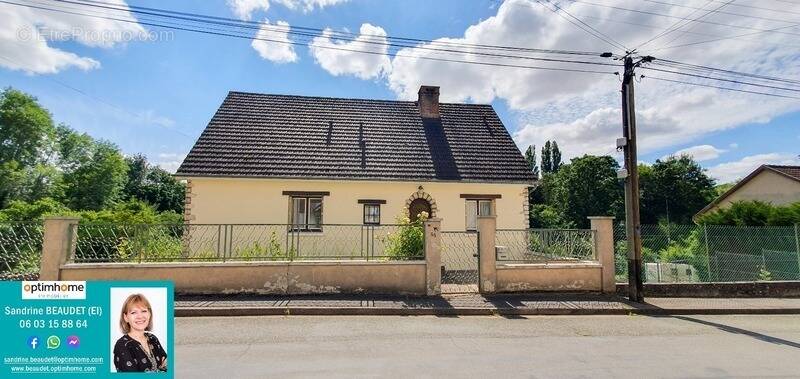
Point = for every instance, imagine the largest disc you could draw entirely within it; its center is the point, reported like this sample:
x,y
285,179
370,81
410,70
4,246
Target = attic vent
x,y
330,132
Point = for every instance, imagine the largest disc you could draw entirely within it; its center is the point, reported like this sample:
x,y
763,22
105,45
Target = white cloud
x,y
271,42
347,60
581,111
244,9
27,34
699,153
731,171
170,161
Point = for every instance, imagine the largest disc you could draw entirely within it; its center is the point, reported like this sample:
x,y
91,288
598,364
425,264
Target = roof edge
x,y
348,98
191,176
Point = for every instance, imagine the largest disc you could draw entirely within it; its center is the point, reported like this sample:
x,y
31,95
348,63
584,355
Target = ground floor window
x,y
474,209
306,213
372,214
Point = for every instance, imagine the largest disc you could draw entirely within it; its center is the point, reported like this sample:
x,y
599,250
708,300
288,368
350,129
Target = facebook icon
x,y
33,342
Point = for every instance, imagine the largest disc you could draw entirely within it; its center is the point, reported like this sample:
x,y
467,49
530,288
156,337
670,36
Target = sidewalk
x,y
472,304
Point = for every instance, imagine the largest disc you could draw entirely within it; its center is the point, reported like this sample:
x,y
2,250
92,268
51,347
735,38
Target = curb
x,y
358,311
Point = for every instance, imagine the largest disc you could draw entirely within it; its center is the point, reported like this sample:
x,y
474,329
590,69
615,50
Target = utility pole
x,y
633,225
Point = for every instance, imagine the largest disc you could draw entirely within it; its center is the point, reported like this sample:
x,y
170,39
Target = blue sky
x,y
155,97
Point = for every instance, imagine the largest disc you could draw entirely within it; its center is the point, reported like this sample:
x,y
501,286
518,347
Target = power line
x,y
722,79
196,17
726,12
494,64
592,31
494,55
723,38
672,27
690,66
695,25
722,88
670,16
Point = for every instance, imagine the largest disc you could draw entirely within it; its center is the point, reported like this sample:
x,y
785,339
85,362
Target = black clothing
x,y
130,356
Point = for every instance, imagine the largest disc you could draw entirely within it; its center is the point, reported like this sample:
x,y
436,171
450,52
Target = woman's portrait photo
x,y
142,319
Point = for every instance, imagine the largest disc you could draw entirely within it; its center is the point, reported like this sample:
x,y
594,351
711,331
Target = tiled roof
x,y
280,136
793,171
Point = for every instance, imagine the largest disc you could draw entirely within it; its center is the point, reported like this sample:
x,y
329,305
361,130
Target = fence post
x,y
57,245
797,247
433,256
603,227
487,254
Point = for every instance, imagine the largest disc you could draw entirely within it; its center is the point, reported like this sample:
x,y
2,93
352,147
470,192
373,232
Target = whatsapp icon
x,y
53,342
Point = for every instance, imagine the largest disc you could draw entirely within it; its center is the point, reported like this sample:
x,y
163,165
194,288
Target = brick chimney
x,y
428,101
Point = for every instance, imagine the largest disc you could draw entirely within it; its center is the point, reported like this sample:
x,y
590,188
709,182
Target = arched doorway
x,y
418,206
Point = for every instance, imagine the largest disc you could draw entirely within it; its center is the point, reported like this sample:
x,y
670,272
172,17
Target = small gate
x,y
460,262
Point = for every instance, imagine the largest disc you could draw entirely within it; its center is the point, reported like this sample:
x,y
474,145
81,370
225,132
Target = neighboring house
x,y
774,184
313,161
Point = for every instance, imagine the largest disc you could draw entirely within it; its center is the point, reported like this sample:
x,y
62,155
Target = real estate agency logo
x,y
54,290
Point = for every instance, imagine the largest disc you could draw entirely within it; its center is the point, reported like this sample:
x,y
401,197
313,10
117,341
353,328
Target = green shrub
x,y
408,242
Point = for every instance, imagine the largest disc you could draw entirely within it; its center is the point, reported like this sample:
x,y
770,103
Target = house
x,y
774,184
315,161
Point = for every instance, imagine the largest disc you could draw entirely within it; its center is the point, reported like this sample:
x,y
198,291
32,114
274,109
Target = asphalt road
x,y
494,347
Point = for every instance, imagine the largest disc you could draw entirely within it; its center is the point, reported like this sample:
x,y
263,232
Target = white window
x,y
307,213
372,214
474,209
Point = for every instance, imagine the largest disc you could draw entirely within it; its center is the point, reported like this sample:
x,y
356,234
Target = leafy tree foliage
x,y
753,213
546,158
674,189
153,185
587,186
25,129
530,157
48,169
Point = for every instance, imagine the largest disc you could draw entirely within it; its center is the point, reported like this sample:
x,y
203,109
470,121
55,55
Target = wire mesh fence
x,y
20,250
536,245
713,253
244,242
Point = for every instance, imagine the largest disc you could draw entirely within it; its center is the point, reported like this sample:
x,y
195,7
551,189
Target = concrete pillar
x,y
433,256
603,228
57,245
487,253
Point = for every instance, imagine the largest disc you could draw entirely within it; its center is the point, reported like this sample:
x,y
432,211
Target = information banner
x,y
76,329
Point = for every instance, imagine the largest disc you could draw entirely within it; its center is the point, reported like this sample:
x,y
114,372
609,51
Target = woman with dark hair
x,y
138,350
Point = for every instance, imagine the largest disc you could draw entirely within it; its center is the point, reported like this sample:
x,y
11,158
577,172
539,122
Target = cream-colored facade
x,y
262,201
768,186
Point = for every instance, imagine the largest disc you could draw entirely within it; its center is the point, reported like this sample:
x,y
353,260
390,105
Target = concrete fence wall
x,y
591,275
296,277
343,276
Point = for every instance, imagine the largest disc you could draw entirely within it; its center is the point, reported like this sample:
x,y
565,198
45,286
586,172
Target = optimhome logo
x,y
56,290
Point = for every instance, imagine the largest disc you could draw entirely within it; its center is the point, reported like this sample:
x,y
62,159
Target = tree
x,y
25,128
98,183
587,186
530,157
153,185
555,157
546,158
674,190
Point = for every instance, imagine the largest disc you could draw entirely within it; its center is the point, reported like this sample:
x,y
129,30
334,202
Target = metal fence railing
x,y
713,253
244,242
20,250
536,245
